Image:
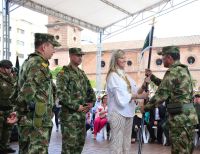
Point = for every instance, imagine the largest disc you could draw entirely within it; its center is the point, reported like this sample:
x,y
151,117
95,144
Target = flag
x,y
17,65
148,42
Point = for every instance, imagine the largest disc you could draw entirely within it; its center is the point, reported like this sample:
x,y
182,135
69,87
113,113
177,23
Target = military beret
x,y
43,37
6,64
168,50
76,51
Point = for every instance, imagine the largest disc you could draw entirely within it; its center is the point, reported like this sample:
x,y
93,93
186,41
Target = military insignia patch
x,y
44,64
62,72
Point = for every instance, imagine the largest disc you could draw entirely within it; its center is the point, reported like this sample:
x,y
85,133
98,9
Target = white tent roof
x,y
95,15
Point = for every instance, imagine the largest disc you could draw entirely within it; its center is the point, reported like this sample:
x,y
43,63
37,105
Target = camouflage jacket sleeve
x,y
63,93
163,91
34,73
176,86
90,96
155,80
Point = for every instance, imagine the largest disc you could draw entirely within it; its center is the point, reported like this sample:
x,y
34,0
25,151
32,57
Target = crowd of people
x,y
29,97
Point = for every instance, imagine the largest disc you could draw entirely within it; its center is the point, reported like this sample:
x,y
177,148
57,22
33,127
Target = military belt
x,y
177,108
5,108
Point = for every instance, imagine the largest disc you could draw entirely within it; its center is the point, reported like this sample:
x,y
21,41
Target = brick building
x,y
69,36
189,47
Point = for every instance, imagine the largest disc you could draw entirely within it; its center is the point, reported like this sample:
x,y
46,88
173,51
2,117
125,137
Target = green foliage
x,y
93,83
55,71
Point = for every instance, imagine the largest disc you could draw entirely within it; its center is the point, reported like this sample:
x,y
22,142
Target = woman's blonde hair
x,y
113,61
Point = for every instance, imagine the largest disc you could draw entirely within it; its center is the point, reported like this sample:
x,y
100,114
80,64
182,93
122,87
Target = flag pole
x,y
149,63
151,42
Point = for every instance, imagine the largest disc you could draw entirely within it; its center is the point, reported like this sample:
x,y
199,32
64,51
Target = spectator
x,y
197,107
101,116
56,109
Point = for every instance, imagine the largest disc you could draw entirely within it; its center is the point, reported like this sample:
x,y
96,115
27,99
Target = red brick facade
x,y
189,47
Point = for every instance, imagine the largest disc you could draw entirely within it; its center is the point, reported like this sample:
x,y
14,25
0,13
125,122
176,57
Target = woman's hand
x,y
144,95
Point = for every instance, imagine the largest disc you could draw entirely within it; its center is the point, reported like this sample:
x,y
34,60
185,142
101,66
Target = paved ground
x,y
100,146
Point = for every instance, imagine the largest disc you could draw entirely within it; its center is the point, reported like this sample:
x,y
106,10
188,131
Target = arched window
x,y
158,61
191,60
103,63
129,62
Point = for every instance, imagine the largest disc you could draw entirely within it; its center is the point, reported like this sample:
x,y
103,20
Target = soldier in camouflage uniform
x,y
77,97
35,97
6,107
176,90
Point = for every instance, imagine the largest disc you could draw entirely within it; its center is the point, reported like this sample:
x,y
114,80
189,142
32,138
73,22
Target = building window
x,y
129,62
74,38
56,61
103,63
20,31
20,43
57,37
158,61
191,60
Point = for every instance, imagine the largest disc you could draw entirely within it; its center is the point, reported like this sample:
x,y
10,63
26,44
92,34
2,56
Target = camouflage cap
x,y
168,50
197,94
76,51
43,37
6,64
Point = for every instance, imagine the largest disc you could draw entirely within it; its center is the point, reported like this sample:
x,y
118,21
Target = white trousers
x,y
121,128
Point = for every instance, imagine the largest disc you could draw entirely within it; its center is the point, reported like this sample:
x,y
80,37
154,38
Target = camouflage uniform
x,y
6,107
35,101
73,90
176,90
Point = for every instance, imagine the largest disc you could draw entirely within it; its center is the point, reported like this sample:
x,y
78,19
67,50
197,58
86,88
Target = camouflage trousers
x,y
73,136
5,131
34,141
182,140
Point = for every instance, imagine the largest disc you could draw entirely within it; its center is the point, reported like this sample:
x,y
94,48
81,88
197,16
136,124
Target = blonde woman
x,y
122,92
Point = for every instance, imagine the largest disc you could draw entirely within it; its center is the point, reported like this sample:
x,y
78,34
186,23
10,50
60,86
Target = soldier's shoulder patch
x,y
62,72
44,64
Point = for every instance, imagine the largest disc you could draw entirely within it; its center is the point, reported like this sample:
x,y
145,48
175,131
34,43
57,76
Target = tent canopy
x,y
96,15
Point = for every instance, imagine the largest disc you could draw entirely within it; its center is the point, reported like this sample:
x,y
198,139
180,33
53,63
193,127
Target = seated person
x,y
136,124
156,119
88,121
101,116
93,110
197,107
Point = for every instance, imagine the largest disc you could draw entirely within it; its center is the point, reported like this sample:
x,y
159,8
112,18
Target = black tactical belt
x,y
5,108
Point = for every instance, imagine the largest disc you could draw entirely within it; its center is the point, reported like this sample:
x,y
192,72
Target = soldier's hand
x,y
86,108
12,118
90,105
80,109
148,72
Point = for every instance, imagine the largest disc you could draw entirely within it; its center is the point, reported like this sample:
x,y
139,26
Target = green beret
x,y
168,50
76,51
6,64
43,37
